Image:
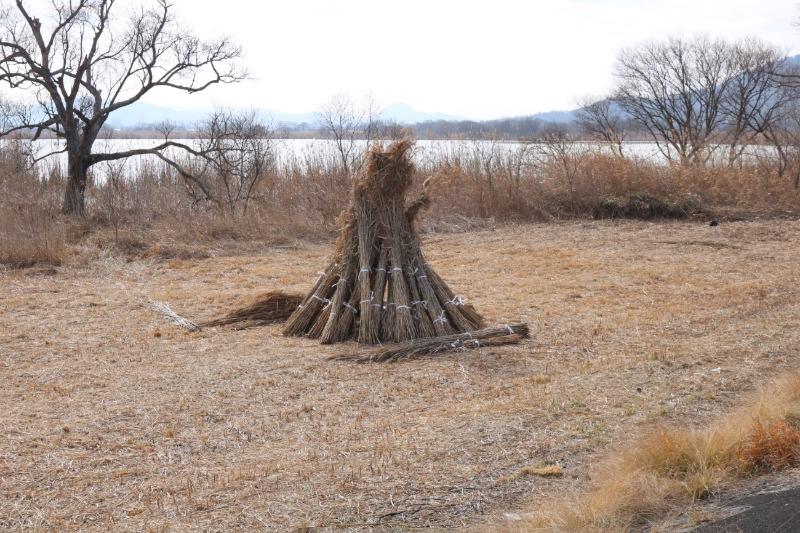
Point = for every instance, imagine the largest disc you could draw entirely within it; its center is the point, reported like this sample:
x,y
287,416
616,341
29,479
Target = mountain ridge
x,y
144,114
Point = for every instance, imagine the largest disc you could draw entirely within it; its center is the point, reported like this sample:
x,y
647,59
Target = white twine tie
x,y
324,301
457,300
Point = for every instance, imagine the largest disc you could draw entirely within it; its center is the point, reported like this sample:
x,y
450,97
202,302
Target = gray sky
x,y
479,59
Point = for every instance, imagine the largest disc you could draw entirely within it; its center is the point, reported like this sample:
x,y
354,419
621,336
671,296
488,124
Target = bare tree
x,y
674,89
557,150
782,132
348,121
237,154
756,101
82,62
604,121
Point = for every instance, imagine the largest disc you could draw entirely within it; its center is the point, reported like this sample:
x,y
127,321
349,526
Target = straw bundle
x,y
268,308
378,287
495,336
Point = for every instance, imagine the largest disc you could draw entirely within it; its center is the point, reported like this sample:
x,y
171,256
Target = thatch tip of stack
x,y
388,169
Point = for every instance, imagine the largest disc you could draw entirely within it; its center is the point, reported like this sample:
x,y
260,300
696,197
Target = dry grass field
x,y
113,419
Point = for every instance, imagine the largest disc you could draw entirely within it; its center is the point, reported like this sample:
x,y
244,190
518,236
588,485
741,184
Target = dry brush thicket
x,y
149,210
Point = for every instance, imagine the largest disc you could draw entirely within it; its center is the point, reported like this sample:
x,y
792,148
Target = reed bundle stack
x,y
378,288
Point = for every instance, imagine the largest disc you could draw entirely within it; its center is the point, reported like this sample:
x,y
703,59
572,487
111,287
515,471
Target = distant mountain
x,y
792,62
141,114
405,114
561,117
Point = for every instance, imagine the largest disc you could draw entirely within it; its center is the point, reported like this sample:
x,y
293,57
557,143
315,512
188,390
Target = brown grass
x,y
115,420
664,473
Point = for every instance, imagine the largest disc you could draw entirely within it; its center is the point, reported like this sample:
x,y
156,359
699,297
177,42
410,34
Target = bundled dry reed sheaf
x,y
378,287
494,336
268,308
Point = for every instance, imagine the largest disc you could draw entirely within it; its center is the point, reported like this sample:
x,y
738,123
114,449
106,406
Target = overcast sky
x,y
478,59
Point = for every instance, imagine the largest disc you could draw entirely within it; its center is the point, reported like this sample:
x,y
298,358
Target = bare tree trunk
x,y
74,194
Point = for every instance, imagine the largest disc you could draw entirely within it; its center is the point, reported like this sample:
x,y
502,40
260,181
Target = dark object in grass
x,y
646,207
714,223
494,336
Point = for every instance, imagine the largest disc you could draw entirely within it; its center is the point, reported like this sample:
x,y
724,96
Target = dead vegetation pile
x,y
269,308
378,287
648,207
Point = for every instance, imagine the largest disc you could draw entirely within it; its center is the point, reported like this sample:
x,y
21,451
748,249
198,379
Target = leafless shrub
x,y
30,229
347,121
237,157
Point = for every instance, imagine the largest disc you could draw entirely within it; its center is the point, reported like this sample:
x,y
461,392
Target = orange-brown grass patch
x,y
541,471
771,447
662,474
632,324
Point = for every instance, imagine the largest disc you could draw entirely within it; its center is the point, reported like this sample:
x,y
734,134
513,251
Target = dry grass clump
x,y
31,230
771,447
30,236
671,468
567,181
